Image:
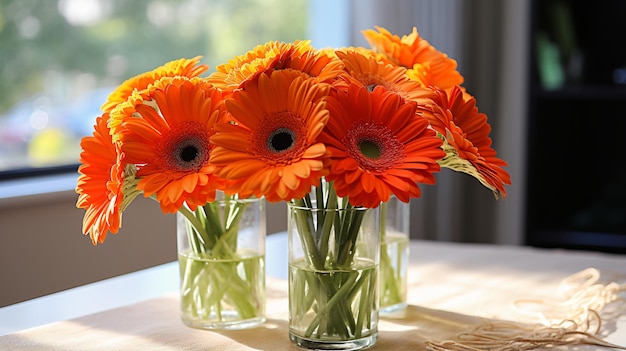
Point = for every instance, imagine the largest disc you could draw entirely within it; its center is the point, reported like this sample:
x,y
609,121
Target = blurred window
x,y
59,60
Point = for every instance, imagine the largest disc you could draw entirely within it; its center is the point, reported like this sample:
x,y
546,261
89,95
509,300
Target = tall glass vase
x,y
333,274
221,254
394,255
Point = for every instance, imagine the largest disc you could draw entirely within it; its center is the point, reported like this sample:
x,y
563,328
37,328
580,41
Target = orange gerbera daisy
x,y
368,71
170,143
317,64
426,64
468,146
298,55
378,146
229,76
182,67
270,149
104,188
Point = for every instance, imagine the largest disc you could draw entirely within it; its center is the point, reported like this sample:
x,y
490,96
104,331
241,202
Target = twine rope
x,y
574,320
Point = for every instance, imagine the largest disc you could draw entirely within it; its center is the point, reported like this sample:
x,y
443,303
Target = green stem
x,y
352,220
199,242
337,311
390,278
206,286
389,289
304,223
327,223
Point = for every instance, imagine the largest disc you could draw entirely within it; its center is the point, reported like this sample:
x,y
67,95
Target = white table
x,y
448,281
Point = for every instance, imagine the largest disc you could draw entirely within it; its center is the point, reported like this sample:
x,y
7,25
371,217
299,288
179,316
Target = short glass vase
x,y
333,276
394,255
221,255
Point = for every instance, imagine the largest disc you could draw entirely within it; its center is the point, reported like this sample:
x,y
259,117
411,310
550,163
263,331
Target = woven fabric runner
x,y
460,298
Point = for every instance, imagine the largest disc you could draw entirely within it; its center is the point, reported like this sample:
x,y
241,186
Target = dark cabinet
x,y
576,157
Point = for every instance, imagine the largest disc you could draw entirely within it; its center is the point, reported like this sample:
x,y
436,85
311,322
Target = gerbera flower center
x,y
370,149
281,139
189,153
186,149
371,81
374,147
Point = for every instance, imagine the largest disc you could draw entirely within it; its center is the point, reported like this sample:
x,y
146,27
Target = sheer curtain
x,y
488,40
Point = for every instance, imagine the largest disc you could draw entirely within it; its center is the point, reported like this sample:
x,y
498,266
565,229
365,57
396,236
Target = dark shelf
x,y
576,164
584,92
577,240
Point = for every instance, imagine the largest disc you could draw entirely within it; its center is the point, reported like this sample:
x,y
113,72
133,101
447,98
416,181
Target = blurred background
x,y
60,59
550,75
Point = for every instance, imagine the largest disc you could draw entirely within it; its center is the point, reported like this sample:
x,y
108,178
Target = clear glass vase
x,y
333,275
394,255
221,254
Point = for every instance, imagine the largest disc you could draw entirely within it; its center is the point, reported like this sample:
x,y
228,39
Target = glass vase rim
x,y
291,205
221,200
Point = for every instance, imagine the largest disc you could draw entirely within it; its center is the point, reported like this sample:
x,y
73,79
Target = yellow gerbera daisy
x,y
181,67
270,56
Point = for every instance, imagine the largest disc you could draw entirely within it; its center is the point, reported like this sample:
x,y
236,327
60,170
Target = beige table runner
x,y
452,289
155,325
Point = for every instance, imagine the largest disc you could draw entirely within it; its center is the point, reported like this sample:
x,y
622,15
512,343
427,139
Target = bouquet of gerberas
x,y
321,129
345,129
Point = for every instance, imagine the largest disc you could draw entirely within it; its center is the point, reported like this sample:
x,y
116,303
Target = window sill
x,y
41,188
